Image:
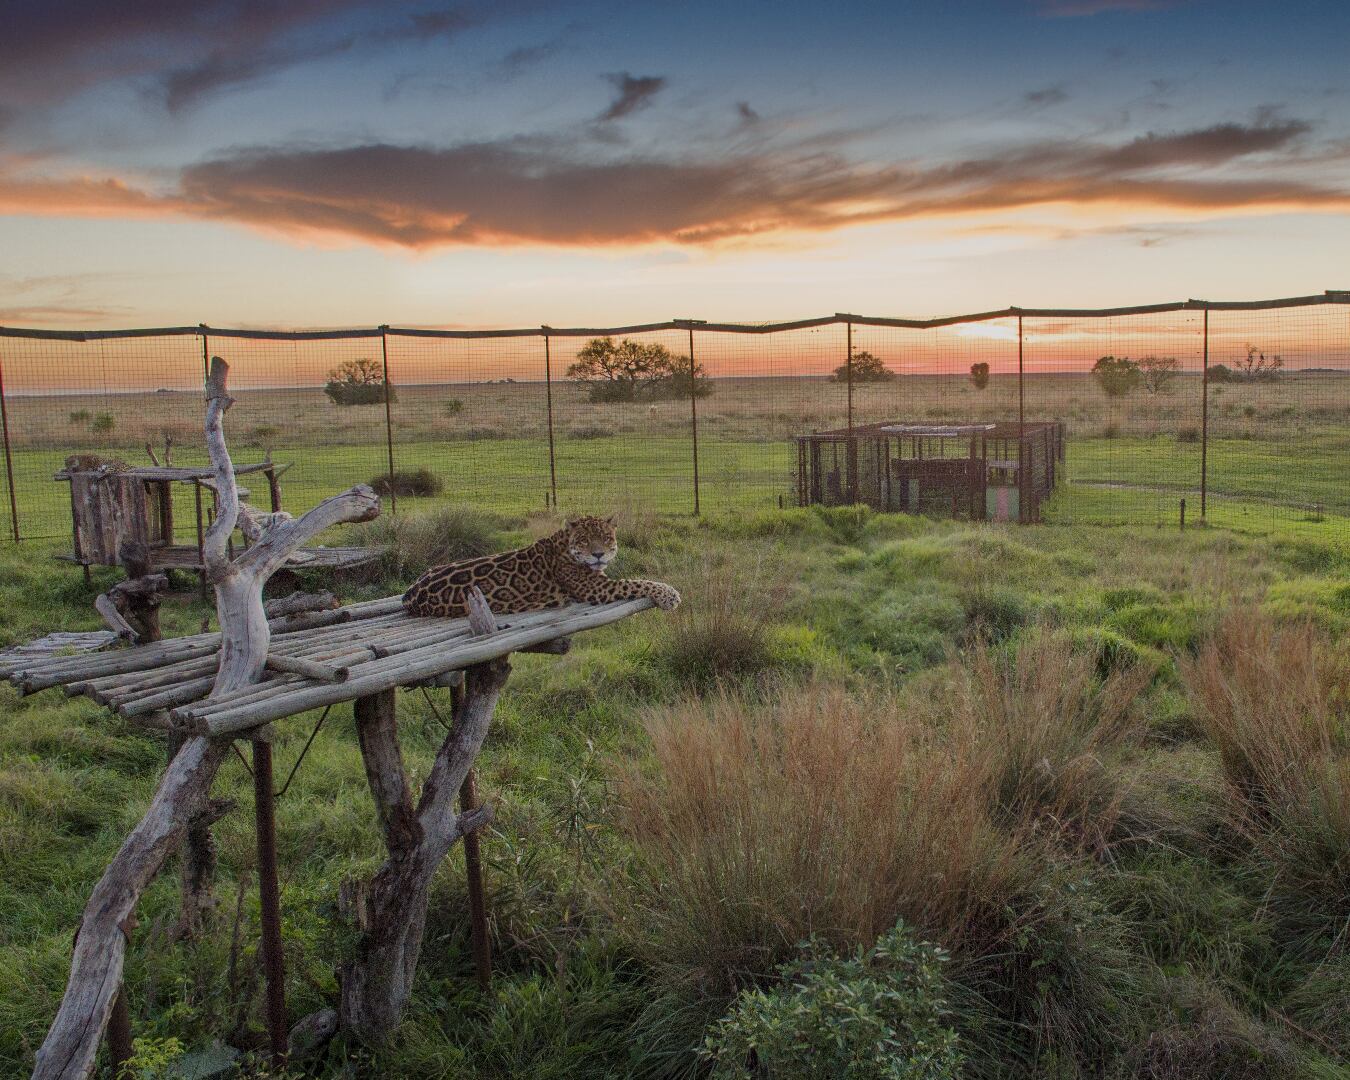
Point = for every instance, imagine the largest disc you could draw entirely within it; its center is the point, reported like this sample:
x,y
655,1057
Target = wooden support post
x,y
269,899
120,1046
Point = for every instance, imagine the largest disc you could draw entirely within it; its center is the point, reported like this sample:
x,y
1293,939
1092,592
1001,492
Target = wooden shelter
x,y
209,690
113,506
995,472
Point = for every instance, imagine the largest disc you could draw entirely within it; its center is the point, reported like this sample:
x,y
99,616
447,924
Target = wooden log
x,y
300,601
296,665
404,669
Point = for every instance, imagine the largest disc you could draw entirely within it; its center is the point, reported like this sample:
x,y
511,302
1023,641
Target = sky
x,y
487,164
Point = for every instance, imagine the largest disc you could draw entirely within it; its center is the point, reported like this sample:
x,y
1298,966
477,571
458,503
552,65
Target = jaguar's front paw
x,y
666,598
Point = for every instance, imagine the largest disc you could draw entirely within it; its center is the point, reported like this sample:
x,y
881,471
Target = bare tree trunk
x,y
391,909
96,969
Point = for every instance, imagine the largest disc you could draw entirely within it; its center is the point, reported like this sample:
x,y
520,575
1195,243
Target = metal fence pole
x,y
269,900
9,460
693,412
388,418
548,399
848,372
206,357
1021,393
1204,420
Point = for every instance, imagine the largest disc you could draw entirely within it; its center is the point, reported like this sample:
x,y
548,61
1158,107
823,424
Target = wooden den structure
x,y
113,507
981,472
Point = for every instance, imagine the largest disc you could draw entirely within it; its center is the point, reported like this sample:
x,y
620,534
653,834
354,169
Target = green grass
x,y
869,601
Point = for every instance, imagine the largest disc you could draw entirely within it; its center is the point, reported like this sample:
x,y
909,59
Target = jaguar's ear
x,y
610,520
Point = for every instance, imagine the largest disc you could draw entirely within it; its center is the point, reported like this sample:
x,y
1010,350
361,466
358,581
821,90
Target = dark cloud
x,y
1046,96
183,52
746,113
634,92
557,192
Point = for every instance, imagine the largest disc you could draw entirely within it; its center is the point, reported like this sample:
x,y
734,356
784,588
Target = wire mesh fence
x,y
1241,409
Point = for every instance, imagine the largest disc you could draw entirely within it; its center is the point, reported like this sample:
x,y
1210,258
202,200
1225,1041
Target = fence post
x,y
206,351
1021,391
848,372
388,418
1204,420
548,399
693,408
9,460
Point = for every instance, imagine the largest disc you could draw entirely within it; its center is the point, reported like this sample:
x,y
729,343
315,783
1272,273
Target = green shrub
x,y
103,423
453,407
1117,376
1178,626
80,416
414,542
1188,433
875,1014
408,482
994,612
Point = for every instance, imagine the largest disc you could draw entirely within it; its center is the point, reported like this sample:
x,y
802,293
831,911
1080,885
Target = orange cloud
x,y
545,192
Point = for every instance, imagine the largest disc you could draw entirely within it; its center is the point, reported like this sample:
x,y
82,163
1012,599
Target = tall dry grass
x,y
1041,730
1275,700
813,811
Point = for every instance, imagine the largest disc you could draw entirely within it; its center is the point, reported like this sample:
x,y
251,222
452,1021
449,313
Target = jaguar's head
x,y
592,541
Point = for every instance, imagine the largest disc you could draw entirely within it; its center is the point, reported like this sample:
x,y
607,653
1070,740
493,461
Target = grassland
x,y
1276,450
1008,738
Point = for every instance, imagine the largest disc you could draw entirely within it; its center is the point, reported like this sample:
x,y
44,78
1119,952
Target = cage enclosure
x,y
994,472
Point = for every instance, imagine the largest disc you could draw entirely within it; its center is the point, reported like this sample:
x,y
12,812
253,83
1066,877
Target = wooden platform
x,y
315,659
188,557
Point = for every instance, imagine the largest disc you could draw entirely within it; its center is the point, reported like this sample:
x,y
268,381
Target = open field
x,y
1111,905
1279,448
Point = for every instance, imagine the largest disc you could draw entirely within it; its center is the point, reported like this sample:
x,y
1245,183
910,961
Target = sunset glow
x,y
494,165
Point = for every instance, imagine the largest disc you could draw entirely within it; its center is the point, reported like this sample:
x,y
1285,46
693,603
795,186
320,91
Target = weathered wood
x,y
400,670
300,601
390,910
297,665
69,1049
96,967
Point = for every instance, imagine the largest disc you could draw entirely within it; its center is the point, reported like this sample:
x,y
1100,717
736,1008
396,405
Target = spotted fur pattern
x,y
95,463
566,567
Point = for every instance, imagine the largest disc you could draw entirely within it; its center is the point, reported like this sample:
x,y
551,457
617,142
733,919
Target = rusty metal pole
x,y
693,413
9,460
848,373
1204,421
388,419
269,898
548,400
206,352
1021,396
473,869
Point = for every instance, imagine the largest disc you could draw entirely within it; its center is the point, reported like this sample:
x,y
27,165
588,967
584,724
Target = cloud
x,y
184,52
558,192
746,113
1046,96
634,92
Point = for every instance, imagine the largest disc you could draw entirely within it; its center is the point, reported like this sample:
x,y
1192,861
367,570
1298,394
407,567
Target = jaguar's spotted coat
x,y
560,569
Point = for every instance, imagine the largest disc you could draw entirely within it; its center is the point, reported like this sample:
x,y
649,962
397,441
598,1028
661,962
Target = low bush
x,y
103,423
414,542
1188,433
880,1013
994,612
725,626
408,482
